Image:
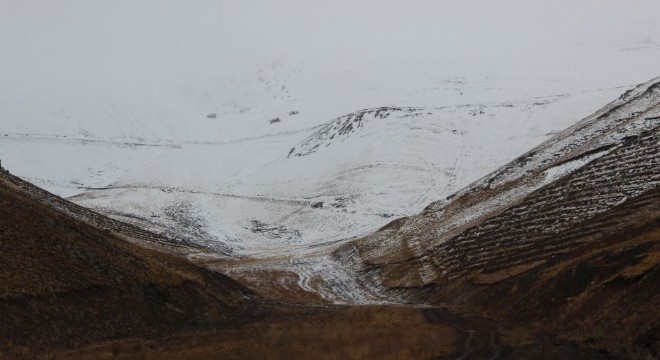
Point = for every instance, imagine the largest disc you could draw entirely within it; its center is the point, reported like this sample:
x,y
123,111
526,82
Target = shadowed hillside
x,y
71,290
64,283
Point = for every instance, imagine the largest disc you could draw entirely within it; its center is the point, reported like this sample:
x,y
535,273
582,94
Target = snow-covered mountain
x,y
288,186
591,167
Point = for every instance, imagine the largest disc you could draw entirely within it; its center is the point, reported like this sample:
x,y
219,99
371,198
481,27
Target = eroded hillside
x,y
565,238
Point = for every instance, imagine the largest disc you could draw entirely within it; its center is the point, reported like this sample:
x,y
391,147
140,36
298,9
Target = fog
x,y
126,49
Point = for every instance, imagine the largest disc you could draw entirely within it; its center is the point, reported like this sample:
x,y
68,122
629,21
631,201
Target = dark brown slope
x,y
69,290
64,283
598,287
575,259
122,230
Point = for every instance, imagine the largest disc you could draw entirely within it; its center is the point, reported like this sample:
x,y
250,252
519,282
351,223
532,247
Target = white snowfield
x,y
292,184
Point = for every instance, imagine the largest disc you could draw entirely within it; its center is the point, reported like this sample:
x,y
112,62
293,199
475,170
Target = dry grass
x,y
316,333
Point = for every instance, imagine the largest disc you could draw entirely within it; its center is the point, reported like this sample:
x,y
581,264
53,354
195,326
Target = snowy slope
x,y
270,193
517,217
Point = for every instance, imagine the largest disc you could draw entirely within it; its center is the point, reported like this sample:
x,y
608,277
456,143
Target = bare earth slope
x,y
564,240
64,283
74,289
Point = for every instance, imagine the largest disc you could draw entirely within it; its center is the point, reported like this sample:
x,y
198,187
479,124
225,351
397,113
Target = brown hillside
x,y
64,283
69,290
575,258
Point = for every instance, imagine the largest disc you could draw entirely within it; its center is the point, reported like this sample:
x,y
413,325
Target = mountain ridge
x,y
580,209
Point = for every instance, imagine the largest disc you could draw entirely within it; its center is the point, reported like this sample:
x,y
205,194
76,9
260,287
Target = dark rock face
x,y
341,128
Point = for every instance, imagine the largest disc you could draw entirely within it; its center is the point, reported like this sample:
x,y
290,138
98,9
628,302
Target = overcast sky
x,y
78,43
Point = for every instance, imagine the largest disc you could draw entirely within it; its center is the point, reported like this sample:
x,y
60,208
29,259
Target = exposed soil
x,y
64,283
301,332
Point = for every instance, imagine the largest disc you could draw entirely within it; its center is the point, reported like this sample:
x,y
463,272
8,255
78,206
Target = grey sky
x,y
74,43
